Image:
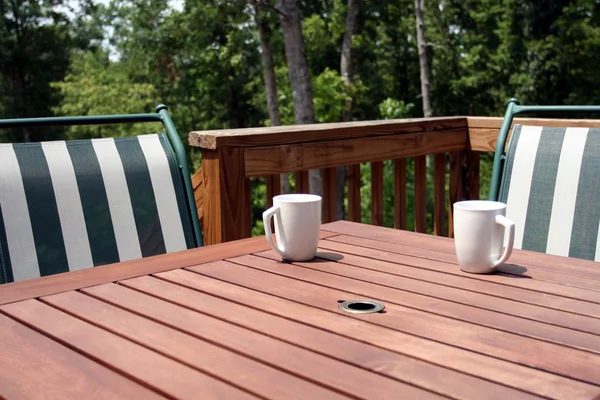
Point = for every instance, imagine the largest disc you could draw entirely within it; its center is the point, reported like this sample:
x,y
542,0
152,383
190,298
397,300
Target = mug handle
x,y
509,227
267,217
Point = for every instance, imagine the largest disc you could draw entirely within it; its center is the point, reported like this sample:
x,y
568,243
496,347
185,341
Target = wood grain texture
x,y
162,374
327,372
277,135
261,161
457,190
36,367
569,313
243,372
302,185
385,362
464,305
73,280
421,194
525,261
400,204
197,182
377,204
226,196
483,131
372,329
354,192
573,363
439,194
328,202
273,188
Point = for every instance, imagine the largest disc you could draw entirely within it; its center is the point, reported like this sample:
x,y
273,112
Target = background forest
x,y
206,60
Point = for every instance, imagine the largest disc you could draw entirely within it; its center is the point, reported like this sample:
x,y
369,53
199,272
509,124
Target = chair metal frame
x,y
161,115
513,109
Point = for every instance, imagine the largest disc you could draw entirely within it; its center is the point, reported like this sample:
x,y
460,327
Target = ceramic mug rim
x,y
297,198
479,205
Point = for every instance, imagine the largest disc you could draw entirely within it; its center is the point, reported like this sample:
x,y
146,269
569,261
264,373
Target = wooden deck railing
x,y
230,158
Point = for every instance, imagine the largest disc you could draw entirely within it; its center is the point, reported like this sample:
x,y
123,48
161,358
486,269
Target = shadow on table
x,y
321,257
513,271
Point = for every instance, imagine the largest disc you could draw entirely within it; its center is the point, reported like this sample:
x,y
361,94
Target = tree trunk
x,y
423,62
347,71
270,81
299,74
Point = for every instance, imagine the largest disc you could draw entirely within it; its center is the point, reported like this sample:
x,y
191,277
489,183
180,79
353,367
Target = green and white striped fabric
x,y
72,205
551,185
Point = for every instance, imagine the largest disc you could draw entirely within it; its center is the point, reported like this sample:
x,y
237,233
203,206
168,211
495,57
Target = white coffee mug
x,y
479,230
297,224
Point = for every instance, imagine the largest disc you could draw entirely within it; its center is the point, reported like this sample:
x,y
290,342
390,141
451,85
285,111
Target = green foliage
x,y
91,87
394,109
204,62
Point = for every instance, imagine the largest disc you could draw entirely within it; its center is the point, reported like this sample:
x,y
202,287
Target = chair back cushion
x,y
69,205
551,185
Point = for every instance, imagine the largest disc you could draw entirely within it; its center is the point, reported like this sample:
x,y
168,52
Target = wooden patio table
x,y
232,321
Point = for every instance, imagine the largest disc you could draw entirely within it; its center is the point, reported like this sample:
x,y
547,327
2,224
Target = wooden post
x,y
226,196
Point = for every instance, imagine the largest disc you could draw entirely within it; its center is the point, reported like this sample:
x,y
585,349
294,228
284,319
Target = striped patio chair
x,y
70,205
550,183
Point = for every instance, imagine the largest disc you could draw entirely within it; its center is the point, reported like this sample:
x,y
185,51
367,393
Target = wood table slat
x,y
529,279
572,363
258,378
511,267
314,367
34,366
53,284
456,303
444,274
186,293
476,364
535,260
164,375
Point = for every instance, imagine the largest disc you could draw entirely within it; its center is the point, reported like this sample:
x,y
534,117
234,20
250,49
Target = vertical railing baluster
x,y
377,193
328,204
439,193
273,188
354,193
400,193
421,194
302,182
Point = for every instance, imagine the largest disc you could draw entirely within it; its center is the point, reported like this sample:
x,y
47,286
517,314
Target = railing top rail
x,y
293,134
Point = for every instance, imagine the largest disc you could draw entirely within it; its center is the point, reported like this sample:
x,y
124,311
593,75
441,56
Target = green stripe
x,y
180,192
541,195
587,206
41,201
94,202
508,164
6,274
141,193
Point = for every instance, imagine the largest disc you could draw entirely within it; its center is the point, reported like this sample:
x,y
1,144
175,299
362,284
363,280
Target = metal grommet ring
x,y
361,306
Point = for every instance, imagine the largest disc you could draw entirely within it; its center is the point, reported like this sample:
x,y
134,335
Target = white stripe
x,y
15,212
565,191
520,181
597,255
164,192
119,201
68,201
